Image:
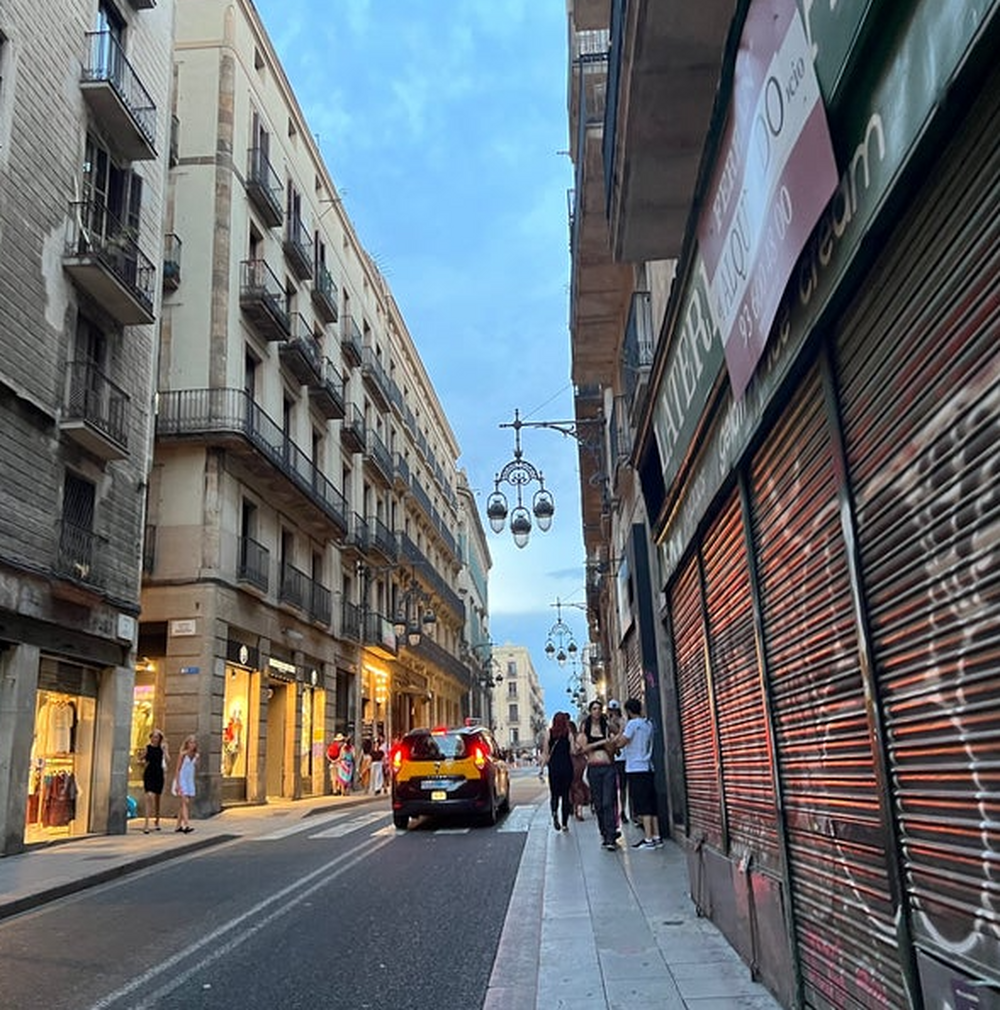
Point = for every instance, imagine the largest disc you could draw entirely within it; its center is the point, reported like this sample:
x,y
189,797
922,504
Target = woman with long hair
x,y
155,762
183,787
595,741
579,791
557,753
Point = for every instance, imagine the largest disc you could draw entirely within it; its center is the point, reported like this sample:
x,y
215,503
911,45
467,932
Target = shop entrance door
x,y
277,720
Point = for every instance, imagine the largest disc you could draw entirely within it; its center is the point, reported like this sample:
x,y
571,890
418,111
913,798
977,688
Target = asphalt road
x,y
342,912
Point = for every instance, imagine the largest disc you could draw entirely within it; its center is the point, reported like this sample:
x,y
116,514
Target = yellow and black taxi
x,y
438,771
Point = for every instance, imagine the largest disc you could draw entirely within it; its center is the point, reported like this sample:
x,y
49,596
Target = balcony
x,y
327,394
301,353
293,586
352,430
412,556
401,472
117,99
357,534
104,260
663,75
96,415
263,186
254,563
637,350
262,299
379,459
381,540
298,248
319,604
171,262
375,379
351,342
441,659
230,418
380,635
78,555
350,621
324,295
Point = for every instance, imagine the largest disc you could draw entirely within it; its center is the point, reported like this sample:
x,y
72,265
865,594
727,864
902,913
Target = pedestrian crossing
x,y
340,823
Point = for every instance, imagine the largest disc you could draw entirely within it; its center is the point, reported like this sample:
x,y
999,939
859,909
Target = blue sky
x,y
443,124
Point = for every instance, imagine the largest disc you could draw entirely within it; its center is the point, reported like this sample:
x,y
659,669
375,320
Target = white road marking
x,y
329,871
519,819
346,827
303,824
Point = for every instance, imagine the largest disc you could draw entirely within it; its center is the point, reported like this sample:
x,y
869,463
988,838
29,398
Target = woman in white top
x,y
183,786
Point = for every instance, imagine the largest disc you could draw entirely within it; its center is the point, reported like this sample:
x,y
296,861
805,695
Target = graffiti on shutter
x,y
920,370
744,751
842,909
697,720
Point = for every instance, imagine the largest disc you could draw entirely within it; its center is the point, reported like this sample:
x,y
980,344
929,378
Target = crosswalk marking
x,y
340,829
305,824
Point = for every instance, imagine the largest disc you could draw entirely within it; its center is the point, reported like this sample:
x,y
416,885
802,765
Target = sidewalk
x,y
593,930
585,929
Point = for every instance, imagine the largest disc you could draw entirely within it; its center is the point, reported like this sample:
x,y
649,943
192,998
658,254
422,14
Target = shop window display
x,y
58,772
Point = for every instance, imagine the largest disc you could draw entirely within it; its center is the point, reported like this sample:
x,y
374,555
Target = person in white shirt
x,y
636,740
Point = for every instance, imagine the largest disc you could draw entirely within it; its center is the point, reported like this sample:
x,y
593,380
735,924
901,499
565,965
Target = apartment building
x,y
84,144
784,315
518,701
301,550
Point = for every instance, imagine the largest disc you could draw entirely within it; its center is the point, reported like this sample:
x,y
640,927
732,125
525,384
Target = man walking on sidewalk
x,y
636,740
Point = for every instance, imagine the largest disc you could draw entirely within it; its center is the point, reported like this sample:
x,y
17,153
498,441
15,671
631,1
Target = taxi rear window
x,y
437,747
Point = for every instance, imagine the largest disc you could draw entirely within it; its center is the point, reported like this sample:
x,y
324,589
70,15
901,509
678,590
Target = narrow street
x,y
343,904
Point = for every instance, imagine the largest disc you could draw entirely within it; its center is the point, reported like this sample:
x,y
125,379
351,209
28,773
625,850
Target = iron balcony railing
x,y
328,393
254,563
357,533
107,63
325,294
352,343
298,248
301,353
77,554
375,378
638,345
438,656
610,110
380,456
411,555
95,233
292,586
201,412
350,621
93,398
263,186
382,539
320,603
263,300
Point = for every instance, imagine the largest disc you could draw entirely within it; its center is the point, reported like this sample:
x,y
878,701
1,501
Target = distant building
x,y
518,700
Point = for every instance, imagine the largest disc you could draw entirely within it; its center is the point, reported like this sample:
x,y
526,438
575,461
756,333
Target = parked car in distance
x,y
438,771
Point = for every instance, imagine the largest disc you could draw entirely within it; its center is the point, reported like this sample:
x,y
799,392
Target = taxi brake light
x,y
479,756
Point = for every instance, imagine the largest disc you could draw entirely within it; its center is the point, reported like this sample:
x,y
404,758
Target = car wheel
x,y
401,821
491,813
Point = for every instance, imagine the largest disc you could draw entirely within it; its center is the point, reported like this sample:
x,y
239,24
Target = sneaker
x,y
644,843
658,842
609,846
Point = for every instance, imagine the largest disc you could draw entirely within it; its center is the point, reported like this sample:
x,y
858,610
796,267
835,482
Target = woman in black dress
x,y
557,753
155,760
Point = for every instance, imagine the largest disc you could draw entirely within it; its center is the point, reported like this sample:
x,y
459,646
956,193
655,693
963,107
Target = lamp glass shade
x,y
544,509
496,511
520,525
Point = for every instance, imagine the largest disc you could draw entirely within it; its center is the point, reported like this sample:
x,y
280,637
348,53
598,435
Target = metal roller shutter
x,y
920,372
747,777
842,909
697,719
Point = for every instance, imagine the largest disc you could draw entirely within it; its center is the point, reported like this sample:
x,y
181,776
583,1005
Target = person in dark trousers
x,y
636,741
557,754
155,763
595,741
617,723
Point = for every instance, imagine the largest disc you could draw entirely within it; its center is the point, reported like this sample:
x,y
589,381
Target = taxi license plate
x,y
439,794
